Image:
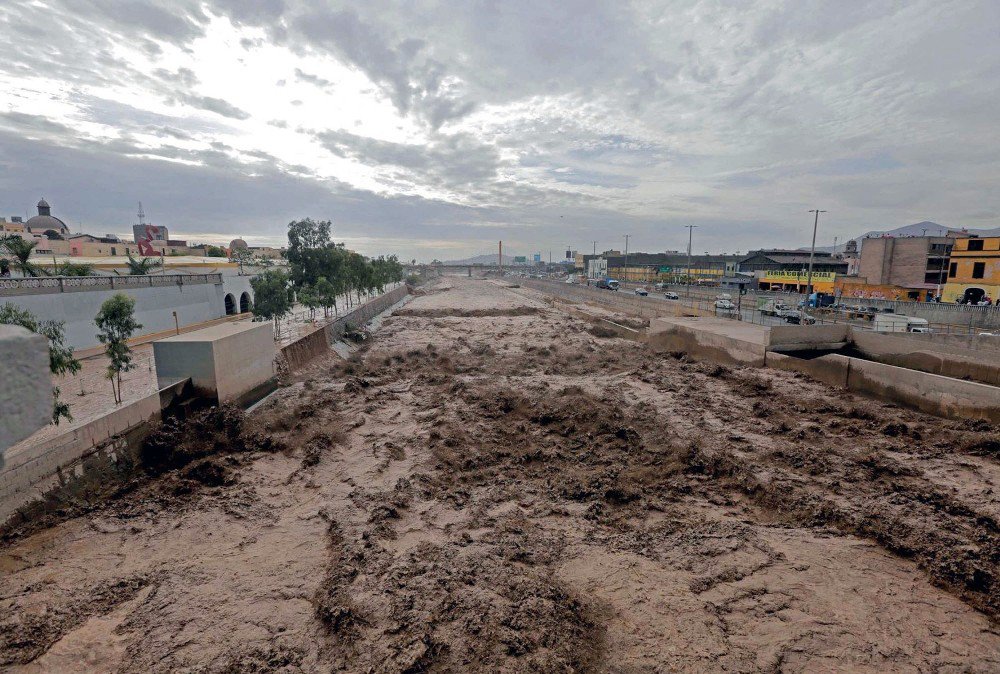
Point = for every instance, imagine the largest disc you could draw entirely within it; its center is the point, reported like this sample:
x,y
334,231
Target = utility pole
x,y
812,254
625,275
595,248
690,229
500,259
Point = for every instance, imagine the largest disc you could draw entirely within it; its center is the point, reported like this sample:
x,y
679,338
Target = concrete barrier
x,y
716,339
228,362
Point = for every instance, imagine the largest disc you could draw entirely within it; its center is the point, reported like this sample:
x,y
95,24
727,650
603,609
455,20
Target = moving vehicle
x,y
798,317
774,308
725,305
661,285
900,323
641,292
608,284
724,296
570,279
670,295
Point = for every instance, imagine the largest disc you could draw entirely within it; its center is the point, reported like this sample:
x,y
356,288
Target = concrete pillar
x,y
25,385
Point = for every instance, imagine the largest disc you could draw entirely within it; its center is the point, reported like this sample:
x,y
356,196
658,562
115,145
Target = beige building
x,y
914,262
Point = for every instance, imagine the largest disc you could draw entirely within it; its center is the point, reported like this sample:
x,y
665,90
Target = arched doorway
x,y
244,302
973,295
230,304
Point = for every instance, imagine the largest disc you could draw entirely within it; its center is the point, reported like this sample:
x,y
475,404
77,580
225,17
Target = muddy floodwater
x,y
494,484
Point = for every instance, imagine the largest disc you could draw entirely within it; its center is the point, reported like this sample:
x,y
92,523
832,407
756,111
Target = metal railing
x,y
64,284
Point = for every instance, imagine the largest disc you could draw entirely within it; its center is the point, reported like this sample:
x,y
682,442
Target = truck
x,y
774,308
608,283
900,323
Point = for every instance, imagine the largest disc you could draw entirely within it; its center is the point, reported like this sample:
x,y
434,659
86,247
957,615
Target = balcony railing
x,y
68,284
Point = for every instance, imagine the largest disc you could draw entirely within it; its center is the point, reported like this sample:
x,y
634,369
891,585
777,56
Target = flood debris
x,y
487,485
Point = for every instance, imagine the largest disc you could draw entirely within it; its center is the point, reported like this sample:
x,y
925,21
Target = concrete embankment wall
x,y
32,471
318,342
196,299
951,358
737,343
29,472
719,345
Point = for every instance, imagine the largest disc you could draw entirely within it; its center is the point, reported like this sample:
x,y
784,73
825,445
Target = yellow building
x,y
974,271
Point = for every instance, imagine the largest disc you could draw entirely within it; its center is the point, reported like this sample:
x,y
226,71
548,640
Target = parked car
x,y
670,295
725,305
641,292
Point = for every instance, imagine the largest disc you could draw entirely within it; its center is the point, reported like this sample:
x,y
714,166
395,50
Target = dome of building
x,y
45,221
237,244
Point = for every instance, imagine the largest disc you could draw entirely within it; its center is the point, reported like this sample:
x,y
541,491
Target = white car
x,y
670,295
725,305
641,292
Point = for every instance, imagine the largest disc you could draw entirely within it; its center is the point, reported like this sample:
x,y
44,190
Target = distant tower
x,y
142,216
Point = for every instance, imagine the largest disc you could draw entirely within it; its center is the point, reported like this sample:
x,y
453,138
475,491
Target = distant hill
x,y
916,229
481,259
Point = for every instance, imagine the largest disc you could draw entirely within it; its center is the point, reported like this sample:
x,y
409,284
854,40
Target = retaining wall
x,y
34,465
727,342
943,358
195,298
318,342
931,393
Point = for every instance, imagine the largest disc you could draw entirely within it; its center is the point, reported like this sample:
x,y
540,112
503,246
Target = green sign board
x,y
666,270
520,259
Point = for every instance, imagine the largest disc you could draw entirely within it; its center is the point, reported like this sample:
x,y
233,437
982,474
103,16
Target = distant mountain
x,y
916,229
482,259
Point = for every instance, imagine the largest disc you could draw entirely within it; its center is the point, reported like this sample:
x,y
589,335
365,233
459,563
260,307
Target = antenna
x,y
142,216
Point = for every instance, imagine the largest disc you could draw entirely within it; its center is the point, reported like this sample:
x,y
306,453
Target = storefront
x,y
796,281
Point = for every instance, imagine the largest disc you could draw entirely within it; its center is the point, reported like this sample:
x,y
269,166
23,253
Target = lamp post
x,y
625,274
690,229
812,254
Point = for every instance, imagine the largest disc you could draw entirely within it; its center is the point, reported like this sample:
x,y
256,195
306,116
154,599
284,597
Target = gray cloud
x,y
555,120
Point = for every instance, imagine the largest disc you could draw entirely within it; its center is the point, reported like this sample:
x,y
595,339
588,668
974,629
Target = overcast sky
x,y
434,129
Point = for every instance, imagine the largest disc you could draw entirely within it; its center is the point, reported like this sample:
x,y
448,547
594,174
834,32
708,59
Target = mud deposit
x,y
490,485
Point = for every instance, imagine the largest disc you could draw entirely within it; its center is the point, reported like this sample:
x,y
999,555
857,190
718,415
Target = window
x,y
975,244
978,269
952,270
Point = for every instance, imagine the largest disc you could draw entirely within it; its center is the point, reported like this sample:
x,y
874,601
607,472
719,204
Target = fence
x,y
10,287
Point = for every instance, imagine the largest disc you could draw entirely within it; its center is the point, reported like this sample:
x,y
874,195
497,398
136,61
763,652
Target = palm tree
x,y
21,250
142,266
74,269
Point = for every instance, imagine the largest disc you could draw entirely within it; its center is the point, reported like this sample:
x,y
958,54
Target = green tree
x,y
141,266
61,360
74,269
309,299
271,299
116,323
20,251
214,251
327,295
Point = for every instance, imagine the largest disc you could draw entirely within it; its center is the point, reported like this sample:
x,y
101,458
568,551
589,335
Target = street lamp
x,y
690,229
625,275
812,254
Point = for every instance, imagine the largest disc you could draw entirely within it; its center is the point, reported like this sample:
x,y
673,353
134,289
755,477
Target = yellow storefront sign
x,y
798,276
